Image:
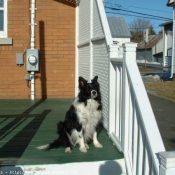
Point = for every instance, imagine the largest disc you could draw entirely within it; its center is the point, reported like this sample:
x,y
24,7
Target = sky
x,y
153,10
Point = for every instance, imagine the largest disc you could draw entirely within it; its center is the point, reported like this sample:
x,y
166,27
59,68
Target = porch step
x,y
26,124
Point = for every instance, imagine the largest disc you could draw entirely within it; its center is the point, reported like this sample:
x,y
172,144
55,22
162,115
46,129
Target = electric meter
x,y
32,60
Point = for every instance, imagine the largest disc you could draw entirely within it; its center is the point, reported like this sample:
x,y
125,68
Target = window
x,y
3,18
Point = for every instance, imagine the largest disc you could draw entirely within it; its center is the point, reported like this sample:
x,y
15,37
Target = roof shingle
x,y
118,27
152,40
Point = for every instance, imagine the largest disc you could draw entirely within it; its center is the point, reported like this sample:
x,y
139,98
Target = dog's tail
x,y
44,147
56,143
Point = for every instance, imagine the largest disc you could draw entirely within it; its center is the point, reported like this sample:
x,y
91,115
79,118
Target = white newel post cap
x,y
129,47
129,51
167,163
113,50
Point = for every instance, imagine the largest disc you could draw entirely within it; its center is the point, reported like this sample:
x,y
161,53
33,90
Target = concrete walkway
x,y
164,112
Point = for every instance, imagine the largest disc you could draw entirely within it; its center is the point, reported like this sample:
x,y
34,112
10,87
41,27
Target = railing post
x,y
129,51
129,54
167,163
113,53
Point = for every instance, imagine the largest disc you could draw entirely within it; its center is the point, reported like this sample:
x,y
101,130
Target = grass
x,y
143,69
164,89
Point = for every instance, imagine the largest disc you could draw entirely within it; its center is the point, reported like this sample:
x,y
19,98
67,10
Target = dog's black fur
x,y
84,115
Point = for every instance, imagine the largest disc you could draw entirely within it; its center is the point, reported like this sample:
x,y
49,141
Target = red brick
x,y
57,50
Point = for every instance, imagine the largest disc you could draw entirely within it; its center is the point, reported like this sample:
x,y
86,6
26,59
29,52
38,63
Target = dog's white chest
x,y
88,114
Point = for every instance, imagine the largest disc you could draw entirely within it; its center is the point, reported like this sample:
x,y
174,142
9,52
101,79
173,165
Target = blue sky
x,y
149,7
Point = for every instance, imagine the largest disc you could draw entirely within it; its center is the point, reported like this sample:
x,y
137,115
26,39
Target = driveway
x,y
164,112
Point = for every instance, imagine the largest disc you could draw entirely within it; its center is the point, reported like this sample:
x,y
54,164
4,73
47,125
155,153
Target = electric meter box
x,y
32,56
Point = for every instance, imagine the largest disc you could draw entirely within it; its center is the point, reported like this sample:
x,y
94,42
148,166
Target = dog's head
x,y
89,90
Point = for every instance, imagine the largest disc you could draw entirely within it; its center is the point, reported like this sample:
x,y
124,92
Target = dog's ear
x,y
95,79
82,82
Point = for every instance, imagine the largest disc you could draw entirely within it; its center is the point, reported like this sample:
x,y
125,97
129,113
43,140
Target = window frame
x,y
3,34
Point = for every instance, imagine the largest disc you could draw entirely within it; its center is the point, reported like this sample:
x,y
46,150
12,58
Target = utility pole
x,y
145,55
145,39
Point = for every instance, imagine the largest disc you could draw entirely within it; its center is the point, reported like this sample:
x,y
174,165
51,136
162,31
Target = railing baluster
x,y
140,151
120,103
130,124
146,161
134,138
117,102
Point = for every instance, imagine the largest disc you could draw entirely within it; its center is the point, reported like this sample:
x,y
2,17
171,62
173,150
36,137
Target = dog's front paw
x,y
87,146
83,149
98,145
68,150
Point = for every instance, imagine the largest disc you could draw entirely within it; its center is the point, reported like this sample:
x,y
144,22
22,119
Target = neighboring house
x,y
167,43
55,39
153,51
171,3
119,31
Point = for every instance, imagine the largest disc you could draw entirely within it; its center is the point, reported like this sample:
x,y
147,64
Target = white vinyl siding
x,y
93,40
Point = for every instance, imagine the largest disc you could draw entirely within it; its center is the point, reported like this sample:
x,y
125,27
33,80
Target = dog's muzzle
x,y
93,94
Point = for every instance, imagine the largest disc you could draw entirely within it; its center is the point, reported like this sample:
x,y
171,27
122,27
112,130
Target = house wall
x,y
157,51
122,40
140,54
169,41
55,38
158,47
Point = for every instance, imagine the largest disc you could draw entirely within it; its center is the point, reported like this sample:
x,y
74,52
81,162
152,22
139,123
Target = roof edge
x,y
170,4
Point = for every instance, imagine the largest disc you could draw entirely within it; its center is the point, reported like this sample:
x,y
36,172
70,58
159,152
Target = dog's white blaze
x,y
88,116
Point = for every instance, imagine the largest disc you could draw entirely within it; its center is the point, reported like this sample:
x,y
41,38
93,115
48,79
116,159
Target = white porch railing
x,y
132,125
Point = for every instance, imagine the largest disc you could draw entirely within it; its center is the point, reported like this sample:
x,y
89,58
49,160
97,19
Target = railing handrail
x,y
154,140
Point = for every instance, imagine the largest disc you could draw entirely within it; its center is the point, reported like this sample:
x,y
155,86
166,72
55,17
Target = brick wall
x,y
55,38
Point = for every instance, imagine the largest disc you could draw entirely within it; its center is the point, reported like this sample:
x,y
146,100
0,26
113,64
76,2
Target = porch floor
x,y
26,124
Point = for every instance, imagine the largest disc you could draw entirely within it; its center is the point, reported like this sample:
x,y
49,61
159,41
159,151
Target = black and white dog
x,y
81,120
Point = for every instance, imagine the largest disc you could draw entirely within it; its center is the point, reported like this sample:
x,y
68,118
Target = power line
x,y
136,16
119,5
150,9
144,14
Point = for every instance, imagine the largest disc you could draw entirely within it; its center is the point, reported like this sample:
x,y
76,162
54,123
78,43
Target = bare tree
x,y
138,26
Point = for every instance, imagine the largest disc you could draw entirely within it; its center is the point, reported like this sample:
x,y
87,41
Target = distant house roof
x,y
152,40
166,23
118,27
170,3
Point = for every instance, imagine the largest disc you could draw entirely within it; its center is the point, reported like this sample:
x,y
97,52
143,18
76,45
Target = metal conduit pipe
x,y
32,44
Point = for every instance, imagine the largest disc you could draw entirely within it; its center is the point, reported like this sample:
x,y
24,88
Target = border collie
x,y
81,120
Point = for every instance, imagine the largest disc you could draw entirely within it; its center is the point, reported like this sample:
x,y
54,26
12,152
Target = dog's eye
x,y
89,87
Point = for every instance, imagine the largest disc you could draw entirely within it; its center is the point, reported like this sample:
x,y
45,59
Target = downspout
x,y
32,44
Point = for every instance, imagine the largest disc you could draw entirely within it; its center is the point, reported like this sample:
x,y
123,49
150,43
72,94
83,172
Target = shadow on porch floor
x,y
26,124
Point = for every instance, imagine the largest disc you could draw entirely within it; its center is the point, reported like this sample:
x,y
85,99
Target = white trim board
x,y
112,167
